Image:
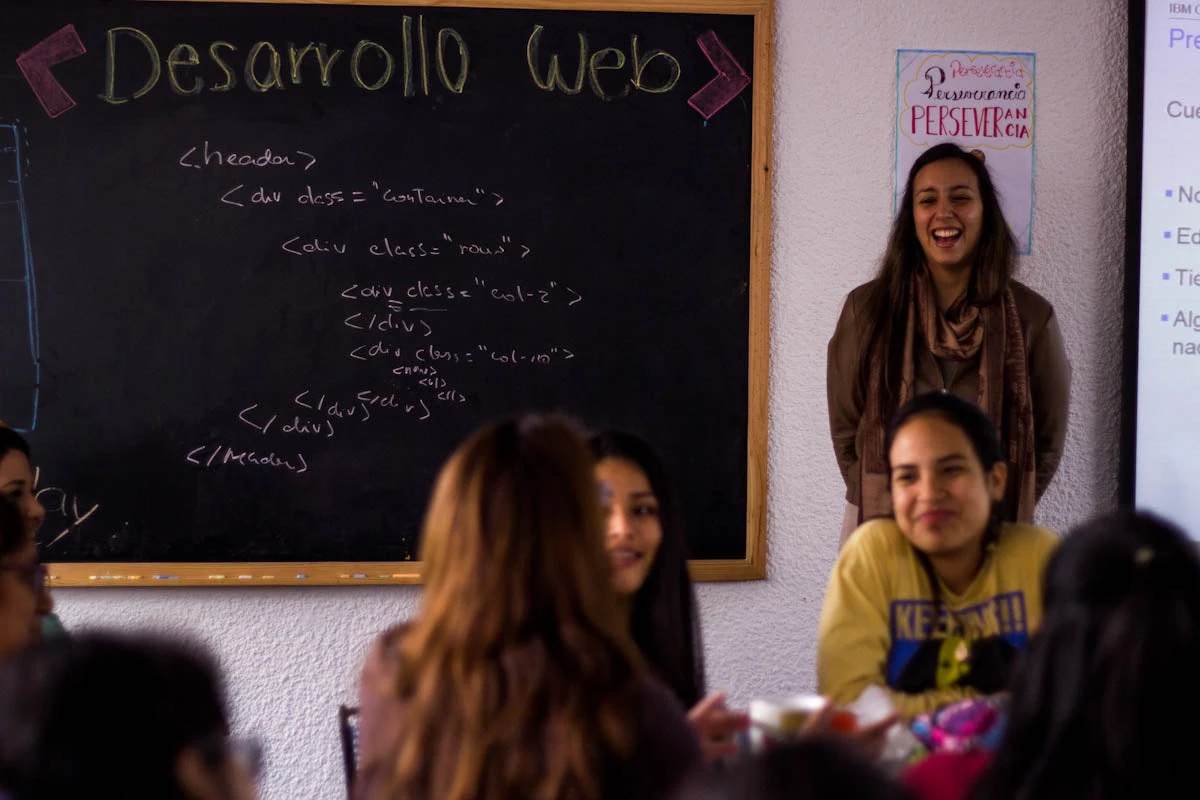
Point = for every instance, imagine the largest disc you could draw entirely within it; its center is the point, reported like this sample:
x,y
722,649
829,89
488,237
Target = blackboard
x,y
267,264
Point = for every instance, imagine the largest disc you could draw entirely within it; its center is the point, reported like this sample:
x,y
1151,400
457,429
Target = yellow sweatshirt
x,y
878,611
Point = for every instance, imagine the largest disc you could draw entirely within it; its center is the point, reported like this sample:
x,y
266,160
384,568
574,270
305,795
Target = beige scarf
x,y
994,333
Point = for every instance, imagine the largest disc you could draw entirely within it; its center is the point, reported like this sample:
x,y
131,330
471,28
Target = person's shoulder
x,y
873,542
853,320
384,653
659,715
652,696
1031,305
1035,539
663,731
875,534
392,638
857,297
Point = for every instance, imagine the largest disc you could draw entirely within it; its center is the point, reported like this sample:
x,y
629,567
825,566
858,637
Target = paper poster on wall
x,y
981,101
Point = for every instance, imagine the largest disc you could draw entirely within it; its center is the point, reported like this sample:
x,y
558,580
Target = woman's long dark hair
x,y
886,306
13,533
665,623
11,440
985,442
1105,698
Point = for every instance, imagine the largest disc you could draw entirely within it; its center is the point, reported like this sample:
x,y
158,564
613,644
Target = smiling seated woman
x,y
648,556
933,604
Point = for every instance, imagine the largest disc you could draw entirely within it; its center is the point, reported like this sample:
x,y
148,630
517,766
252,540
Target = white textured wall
x,y
292,655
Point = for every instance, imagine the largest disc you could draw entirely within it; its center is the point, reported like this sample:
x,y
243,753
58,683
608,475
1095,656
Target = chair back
x,y
348,729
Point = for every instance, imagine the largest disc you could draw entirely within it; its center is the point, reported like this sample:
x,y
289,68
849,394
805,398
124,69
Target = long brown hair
x,y
886,307
517,678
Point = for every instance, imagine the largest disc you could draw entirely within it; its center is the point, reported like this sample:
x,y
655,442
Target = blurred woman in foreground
x,y
518,677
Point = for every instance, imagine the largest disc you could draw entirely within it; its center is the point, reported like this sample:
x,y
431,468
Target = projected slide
x,y
1167,467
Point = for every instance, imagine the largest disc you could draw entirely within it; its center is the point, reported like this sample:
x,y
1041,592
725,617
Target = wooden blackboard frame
x,y
753,566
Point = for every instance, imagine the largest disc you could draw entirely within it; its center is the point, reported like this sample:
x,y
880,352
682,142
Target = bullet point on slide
x,y
1165,317
1166,276
1166,234
1169,193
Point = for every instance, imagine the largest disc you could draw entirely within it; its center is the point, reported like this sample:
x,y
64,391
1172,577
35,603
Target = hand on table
x,y
868,739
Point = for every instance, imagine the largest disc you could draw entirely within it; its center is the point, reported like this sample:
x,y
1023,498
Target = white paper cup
x,y
776,721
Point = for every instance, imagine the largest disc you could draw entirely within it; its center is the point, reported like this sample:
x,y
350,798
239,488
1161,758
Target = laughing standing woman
x,y
943,313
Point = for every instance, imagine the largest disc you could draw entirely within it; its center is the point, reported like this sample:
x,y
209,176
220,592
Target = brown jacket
x,y
1049,383
665,752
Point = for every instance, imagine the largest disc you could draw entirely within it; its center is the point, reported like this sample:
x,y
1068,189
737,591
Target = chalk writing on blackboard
x,y
20,356
421,57
552,292
222,455
62,507
370,65
392,313
211,156
547,75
